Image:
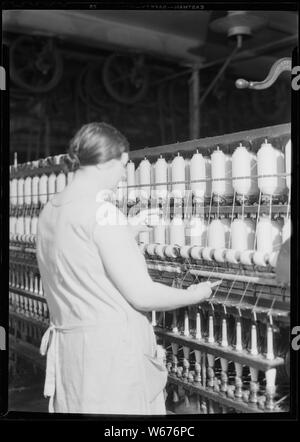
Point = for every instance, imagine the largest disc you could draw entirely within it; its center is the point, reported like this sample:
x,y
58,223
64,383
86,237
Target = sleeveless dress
x,y
101,352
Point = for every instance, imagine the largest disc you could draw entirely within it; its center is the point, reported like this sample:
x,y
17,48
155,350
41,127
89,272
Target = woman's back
x,y
75,281
97,362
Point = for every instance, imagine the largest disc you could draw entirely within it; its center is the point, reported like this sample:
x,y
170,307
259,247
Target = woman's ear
x,y
107,165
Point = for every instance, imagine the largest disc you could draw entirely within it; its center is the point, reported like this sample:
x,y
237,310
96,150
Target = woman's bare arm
x,y
126,268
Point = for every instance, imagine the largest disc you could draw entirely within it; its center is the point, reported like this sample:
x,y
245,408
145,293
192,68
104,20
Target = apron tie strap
x,y
48,346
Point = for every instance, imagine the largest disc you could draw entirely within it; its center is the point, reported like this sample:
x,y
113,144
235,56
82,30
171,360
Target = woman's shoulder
x,y
108,214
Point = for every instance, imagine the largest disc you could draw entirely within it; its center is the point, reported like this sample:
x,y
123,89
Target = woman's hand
x,y
204,289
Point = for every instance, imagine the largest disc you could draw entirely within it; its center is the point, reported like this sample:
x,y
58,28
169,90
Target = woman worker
x,y
101,348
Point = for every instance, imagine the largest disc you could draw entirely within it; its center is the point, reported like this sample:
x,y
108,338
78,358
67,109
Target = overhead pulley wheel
x,y
90,88
35,63
125,77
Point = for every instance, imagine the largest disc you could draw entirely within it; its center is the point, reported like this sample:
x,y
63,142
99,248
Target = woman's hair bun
x,y
72,160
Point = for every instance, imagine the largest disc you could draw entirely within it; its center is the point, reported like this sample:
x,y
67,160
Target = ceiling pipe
x,y
243,55
69,53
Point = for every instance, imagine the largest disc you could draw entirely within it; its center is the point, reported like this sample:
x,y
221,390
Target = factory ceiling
x,y
181,36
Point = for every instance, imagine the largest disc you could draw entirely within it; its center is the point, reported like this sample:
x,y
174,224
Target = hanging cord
x,y
288,204
209,217
231,221
257,219
243,209
222,69
270,209
243,295
272,303
256,302
231,287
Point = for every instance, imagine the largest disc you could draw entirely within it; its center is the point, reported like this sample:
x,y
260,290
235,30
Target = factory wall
x,y
42,123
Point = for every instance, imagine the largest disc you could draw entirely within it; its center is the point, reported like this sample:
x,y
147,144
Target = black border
x,y
4,230
141,422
